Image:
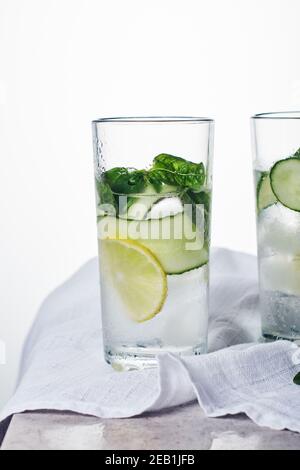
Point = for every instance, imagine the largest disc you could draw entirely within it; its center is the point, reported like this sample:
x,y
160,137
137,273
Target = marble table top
x,y
183,428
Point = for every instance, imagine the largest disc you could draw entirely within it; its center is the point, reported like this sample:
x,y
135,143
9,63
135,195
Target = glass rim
x,y
153,120
278,115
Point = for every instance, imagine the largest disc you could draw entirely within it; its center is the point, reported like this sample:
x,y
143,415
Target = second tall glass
x,y
153,191
277,177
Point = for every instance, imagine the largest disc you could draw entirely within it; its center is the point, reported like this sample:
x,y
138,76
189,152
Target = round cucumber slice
x,y
265,195
175,241
285,182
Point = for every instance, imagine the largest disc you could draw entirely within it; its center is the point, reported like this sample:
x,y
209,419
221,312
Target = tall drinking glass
x,y
153,193
276,139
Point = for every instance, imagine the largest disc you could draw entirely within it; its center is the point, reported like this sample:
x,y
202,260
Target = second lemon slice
x,y
137,276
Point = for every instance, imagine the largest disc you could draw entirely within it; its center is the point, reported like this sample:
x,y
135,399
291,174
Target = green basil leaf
x,y
125,181
199,199
297,154
297,379
154,179
105,193
176,171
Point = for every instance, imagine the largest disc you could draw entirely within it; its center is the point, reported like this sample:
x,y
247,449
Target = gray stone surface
x,y
181,428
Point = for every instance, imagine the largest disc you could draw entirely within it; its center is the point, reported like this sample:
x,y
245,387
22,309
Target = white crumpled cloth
x,y
63,366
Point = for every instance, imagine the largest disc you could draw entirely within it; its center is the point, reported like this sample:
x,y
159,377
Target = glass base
x,y
130,358
280,316
270,337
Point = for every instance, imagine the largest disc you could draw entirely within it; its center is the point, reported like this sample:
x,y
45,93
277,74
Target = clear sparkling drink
x,y
153,219
277,182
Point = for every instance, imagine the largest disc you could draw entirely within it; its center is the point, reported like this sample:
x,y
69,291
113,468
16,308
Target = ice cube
x,y
280,273
279,230
169,206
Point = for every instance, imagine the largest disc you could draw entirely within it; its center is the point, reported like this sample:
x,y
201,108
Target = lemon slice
x,y
137,276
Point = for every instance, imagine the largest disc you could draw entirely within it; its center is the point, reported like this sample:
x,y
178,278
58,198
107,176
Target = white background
x,y
65,62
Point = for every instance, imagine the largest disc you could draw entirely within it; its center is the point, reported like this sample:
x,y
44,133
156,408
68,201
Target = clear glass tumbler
x,y
276,139
153,194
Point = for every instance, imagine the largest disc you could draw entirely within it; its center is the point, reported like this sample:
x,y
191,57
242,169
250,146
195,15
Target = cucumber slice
x,y
175,241
265,195
183,251
285,182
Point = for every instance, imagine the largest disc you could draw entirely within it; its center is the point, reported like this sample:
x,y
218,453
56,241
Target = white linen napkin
x,y
63,366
